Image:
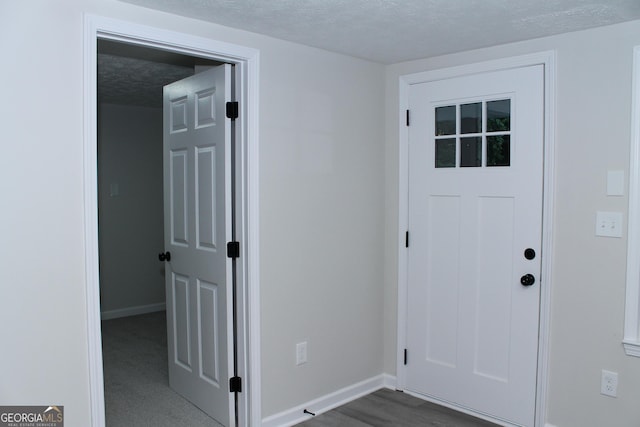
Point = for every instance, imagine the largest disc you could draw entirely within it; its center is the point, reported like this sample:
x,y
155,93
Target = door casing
x,y
547,59
246,61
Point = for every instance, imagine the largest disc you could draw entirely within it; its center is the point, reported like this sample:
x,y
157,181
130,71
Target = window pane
x,y
498,150
446,120
446,153
499,115
471,118
471,152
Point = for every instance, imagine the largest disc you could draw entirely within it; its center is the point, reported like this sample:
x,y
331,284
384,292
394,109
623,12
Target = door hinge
x,y
232,110
235,385
406,240
233,249
407,117
405,356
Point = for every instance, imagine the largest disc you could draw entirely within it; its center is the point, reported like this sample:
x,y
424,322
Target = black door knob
x,y
164,256
527,280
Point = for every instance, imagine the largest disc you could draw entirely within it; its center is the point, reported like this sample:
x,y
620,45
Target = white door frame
x,y
547,59
246,61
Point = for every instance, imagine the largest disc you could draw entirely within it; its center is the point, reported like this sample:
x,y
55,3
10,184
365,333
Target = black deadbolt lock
x,y
529,253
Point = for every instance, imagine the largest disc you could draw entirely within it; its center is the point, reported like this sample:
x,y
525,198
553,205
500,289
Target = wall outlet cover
x,y
301,353
609,383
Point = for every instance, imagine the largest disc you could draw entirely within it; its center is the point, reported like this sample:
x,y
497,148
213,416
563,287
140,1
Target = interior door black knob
x,y
527,280
164,256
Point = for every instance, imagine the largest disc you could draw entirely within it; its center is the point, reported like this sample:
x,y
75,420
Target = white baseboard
x,y
132,311
333,400
389,381
330,401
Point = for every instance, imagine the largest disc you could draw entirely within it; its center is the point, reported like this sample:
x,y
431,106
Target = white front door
x,y
475,224
197,212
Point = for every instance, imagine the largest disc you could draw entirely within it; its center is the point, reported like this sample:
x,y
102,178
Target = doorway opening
x,y
131,230
207,52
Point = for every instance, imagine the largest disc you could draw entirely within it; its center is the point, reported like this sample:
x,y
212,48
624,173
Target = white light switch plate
x,y
609,224
615,183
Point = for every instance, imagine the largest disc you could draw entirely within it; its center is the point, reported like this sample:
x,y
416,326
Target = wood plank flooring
x,y
392,408
137,390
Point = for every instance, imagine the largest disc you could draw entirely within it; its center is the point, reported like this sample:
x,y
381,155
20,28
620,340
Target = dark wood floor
x,y
392,408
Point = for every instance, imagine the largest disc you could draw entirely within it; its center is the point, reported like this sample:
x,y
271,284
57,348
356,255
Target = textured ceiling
x,y
133,81
385,31
390,31
133,75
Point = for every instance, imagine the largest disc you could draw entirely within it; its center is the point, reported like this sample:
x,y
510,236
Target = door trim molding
x,y
548,60
247,207
631,339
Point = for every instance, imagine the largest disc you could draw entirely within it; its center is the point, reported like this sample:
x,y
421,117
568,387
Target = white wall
x,y
131,221
321,202
321,195
592,136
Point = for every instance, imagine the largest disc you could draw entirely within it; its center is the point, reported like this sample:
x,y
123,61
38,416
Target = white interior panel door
x,y
475,224
197,211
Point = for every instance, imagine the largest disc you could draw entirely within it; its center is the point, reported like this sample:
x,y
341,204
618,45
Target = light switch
x,y
609,224
615,183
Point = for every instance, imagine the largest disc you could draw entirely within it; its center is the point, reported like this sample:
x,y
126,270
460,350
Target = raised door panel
x,y
178,214
205,198
182,321
209,332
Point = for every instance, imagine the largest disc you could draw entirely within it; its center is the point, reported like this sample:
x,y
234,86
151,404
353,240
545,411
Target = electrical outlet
x,y
301,353
609,384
